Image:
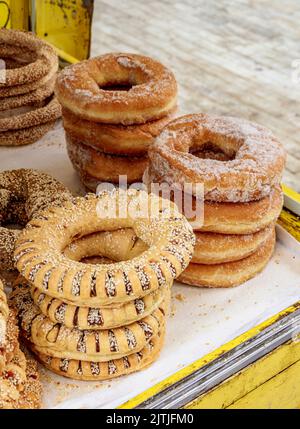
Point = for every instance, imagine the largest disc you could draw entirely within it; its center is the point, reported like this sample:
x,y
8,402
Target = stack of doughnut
x,y
19,379
28,108
93,319
114,106
23,194
239,164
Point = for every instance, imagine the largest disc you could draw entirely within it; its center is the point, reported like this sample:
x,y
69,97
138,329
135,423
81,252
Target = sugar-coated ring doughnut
x,y
83,89
229,274
215,248
255,159
23,194
45,57
130,140
39,251
104,167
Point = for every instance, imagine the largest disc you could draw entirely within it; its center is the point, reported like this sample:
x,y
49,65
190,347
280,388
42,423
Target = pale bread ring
x,y
40,259
255,158
46,57
55,339
229,274
103,167
214,248
152,96
130,140
97,371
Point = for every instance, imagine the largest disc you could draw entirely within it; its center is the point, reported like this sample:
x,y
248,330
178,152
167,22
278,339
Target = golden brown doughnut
x,y
25,136
253,165
131,140
103,167
242,218
83,89
23,194
229,274
168,235
44,56
215,248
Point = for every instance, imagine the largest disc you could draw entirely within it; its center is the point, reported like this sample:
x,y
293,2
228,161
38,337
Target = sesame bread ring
x,y
255,159
168,235
57,340
32,97
214,248
23,194
11,91
130,140
108,317
230,274
25,136
41,115
3,326
83,88
103,167
44,56
97,371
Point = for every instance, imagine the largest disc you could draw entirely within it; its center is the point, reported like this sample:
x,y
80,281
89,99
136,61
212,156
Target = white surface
x,y
204,320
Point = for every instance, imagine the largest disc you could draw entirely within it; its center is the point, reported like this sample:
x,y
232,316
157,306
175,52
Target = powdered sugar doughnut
x,y
254,159
83,89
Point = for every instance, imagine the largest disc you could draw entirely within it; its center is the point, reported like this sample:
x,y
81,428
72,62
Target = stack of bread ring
x,y
98,321
24,193
114,106
239,164
28,108
19,379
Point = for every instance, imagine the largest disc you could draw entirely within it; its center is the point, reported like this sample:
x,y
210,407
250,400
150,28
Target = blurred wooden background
x,y
232,57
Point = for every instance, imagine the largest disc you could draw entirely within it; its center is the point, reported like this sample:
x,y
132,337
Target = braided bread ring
x,y
40,259
54,339
256,158
152,96
97,371
46,57
230,274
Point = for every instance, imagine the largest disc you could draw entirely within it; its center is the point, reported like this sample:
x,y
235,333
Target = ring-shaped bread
x,y
254,158
83,88
39,251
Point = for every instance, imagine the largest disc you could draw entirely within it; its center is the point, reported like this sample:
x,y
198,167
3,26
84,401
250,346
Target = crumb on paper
x,y
180,297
